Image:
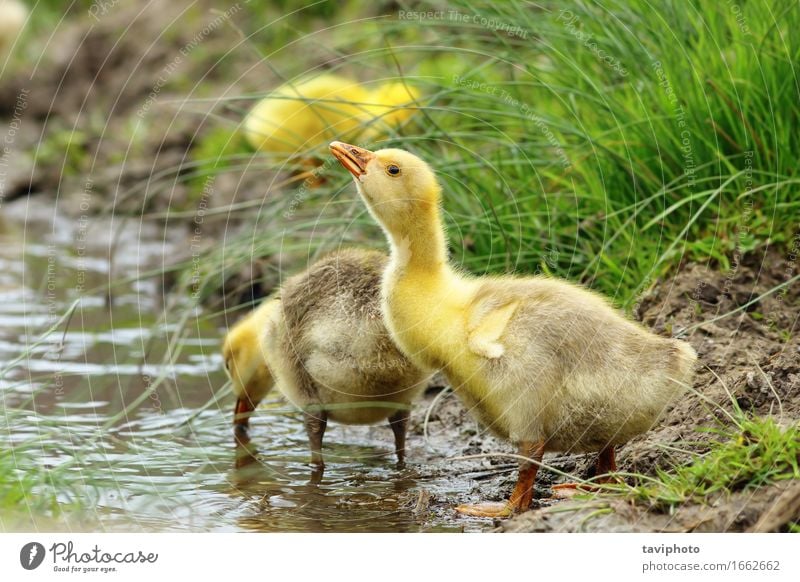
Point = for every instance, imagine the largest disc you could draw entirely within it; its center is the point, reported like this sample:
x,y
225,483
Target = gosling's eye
x,y
392,170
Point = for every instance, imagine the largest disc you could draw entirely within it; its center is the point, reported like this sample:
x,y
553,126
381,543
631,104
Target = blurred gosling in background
x,y
13,15
301,116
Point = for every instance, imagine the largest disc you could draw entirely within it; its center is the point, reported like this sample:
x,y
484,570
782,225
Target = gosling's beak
x,y
241,414
354,158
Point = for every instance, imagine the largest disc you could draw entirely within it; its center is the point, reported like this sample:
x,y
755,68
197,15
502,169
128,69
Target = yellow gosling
x,y
300,116
549,365
324,345
13,15
245,363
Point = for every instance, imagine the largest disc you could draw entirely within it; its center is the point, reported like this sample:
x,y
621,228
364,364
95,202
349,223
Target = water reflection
x,y
306,497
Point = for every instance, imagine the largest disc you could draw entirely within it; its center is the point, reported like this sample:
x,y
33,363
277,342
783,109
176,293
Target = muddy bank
x,y
134,111
112,111
760,510
753,354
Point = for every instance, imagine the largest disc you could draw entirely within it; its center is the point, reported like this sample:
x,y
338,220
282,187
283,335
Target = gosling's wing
x,y
488,322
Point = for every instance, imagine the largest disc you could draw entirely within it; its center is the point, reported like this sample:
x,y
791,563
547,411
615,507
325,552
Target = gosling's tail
x,y
684,359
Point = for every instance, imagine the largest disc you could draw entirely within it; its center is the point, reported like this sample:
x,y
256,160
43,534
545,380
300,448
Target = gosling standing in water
x,y
323,343
549,365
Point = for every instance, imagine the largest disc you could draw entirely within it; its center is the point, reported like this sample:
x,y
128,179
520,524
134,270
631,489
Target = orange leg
x,y
312,174
315,429
399,423
522,495
606,464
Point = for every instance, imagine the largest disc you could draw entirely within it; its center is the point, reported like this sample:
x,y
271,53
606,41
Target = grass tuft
x,y
758,452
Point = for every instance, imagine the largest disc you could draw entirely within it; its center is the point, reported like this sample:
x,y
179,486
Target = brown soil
x,y
114,113
738,512
114,106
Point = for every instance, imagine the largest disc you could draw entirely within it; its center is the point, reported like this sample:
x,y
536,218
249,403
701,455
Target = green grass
x,y
553,161
28,487
43,479
630,203
17,485
754,453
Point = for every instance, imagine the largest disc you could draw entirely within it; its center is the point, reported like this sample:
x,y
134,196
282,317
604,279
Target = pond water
x,y
120,402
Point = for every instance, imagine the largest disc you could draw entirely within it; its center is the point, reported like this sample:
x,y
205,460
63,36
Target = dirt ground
x,y
124,115
113,107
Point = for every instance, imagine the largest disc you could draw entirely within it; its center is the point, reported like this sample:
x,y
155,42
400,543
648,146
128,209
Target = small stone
x,y
708,293
743,298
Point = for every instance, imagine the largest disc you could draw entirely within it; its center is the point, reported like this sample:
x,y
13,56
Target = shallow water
x,y
168,462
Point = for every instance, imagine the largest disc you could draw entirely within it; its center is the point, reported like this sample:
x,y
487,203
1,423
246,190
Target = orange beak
x,y
241,413
353,158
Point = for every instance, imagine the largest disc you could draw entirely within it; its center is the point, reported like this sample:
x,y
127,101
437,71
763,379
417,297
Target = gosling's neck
x,y
418,245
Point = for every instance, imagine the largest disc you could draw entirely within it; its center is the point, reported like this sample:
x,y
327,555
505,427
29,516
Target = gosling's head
x,y
247,369
399,188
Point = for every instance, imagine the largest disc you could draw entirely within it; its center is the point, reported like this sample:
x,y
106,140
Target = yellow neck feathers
x,y
418,242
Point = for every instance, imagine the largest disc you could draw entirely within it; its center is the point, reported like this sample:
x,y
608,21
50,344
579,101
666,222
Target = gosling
x,y
323,343
546,364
